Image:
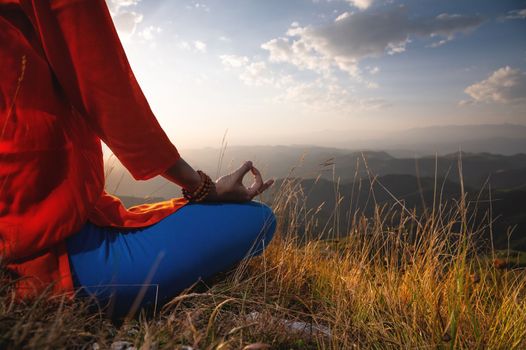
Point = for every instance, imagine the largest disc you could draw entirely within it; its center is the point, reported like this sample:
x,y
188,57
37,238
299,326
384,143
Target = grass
x,y
395,280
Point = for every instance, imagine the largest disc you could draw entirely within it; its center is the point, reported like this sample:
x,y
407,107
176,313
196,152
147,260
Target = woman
x,y
65,85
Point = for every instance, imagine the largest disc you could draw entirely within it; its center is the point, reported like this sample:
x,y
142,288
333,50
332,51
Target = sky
x,y
278,71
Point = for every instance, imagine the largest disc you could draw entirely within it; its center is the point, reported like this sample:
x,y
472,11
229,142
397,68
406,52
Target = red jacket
x,y
65,85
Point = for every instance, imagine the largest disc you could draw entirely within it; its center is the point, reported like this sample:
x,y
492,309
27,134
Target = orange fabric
x,y
65,85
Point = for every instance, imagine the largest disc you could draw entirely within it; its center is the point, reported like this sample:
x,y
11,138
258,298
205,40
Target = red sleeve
x,y
86,55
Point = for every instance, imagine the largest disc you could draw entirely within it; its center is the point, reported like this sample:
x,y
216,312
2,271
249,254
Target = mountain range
x,y
360,179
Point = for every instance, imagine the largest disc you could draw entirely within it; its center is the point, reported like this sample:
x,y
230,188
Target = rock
x,y
293,326
257,346
122,345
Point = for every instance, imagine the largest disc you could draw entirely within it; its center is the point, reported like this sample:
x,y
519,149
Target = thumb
x,y
240,173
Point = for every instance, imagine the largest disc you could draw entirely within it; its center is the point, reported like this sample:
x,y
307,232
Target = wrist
x,y
193,182
183,175
203,192
212,196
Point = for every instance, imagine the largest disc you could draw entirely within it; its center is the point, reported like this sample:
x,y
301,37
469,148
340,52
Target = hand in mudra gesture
x,y
230,188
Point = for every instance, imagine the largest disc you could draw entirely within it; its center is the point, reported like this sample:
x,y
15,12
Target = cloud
x,y
328,97
516,14
257,74
252,73
150,32
361,4
200,46
196,46
116,5
355,36
342,16
373,70
297,53
505,85
324,94
340,46
198,6
234,61
126,22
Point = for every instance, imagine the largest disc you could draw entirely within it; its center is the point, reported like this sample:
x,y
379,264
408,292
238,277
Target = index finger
x,y
258,182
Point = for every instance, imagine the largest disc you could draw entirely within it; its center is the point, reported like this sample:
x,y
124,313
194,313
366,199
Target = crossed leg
x,y
155,263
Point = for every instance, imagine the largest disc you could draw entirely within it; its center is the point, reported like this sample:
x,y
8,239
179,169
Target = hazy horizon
x,y
504,139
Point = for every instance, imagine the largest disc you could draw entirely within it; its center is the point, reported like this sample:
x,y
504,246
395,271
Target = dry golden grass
x,y
417,284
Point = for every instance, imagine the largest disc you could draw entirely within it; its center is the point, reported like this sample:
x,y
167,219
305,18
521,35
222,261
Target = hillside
x,y
478,169
359,181
338,205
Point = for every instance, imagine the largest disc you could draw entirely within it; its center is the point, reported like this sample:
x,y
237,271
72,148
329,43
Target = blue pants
x,y
141,266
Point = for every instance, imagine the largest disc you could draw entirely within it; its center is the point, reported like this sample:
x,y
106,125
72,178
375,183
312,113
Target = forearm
x,y
183,175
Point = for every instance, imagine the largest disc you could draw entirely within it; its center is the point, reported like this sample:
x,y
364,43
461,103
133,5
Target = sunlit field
x,y
395,280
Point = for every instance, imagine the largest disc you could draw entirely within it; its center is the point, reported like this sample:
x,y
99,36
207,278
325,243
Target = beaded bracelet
x,y
202,191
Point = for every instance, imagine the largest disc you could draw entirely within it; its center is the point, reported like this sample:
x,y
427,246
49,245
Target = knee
x,y
266,225
270,222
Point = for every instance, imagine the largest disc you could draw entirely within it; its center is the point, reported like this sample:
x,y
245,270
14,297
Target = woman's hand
x,y
230,188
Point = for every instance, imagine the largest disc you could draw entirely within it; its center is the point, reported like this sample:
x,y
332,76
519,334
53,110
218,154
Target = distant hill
x,y
405,193
488,178
498,145
504,139
129,201
478,169
461,133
